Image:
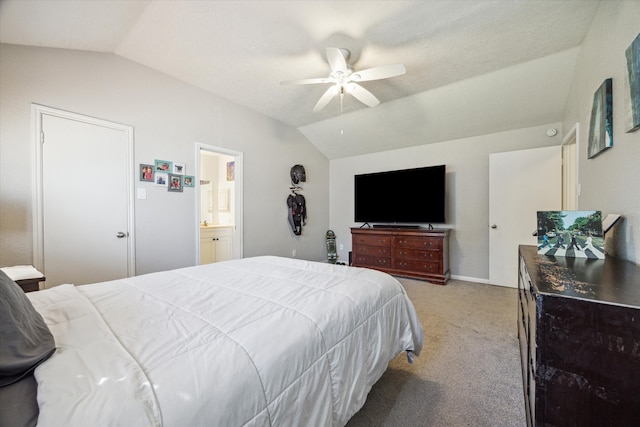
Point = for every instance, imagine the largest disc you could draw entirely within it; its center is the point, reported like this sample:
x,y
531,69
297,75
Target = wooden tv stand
x,y
415,253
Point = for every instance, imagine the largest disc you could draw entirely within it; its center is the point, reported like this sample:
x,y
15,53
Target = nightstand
x,y
25,276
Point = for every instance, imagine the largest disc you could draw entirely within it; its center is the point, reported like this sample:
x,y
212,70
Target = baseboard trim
x,y
470,279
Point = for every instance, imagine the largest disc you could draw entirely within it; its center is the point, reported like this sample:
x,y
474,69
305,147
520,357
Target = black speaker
x,y
349,257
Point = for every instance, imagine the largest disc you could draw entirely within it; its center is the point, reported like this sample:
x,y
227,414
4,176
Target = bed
x,y
263,341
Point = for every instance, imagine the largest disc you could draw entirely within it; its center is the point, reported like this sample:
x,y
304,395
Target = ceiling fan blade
x,y
378,73
307,81
324,99
363,95
336,60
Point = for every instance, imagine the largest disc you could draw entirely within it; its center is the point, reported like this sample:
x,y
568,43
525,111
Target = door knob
x,y
494,226
120,235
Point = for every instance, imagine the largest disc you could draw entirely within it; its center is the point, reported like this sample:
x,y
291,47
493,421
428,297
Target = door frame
x,y
238,249
37,138
571,138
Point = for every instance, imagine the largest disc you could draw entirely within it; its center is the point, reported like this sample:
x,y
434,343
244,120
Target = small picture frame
x,y
146,172
163,166
178,168
161,179
189,181
175,182
231,171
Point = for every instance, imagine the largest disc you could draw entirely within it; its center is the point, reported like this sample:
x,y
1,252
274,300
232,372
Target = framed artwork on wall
x,y
161,179
632,55
163,166
189,181
231,171
146,172
175,182
178,168
601,125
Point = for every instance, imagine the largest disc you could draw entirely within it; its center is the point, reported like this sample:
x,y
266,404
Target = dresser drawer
x,y
372,240
372,261
417,254
383,251
417,242
417,266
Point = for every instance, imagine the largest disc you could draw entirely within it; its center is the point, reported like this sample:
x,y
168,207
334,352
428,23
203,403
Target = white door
x,y
86,204
520,184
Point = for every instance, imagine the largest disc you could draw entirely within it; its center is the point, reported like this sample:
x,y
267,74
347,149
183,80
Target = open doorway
x,y
218,204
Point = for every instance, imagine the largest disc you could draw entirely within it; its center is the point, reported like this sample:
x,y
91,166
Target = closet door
x,y
520,184
86,189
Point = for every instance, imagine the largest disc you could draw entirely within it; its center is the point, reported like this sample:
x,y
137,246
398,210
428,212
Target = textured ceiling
x,y
473,67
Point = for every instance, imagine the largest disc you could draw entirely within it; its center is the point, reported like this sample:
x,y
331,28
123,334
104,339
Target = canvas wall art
x,y
576,234
633,70
601,125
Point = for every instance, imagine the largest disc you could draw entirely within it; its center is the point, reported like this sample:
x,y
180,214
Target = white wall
x,y
611,180
467,195
168,117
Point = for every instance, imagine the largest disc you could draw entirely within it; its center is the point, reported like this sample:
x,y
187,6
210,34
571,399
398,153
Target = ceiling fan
x,y
345,80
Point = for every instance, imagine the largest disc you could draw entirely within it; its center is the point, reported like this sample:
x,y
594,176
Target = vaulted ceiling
x,y
473,67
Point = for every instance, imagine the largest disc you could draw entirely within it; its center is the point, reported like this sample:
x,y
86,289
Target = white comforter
x,y
263,341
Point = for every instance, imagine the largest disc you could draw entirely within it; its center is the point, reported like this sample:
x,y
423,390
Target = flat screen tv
x,y
408,196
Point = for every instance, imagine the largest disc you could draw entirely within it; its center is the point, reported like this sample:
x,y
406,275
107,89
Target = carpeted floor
x,y
468,373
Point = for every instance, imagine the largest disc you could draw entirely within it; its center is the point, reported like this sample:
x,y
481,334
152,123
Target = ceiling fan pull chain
x,y
341,116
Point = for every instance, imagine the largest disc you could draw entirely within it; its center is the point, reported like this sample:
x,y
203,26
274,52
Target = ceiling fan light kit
x,y
344,79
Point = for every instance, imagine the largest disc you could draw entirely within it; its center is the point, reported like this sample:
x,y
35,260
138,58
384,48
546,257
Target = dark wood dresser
x,y
416,253
579,333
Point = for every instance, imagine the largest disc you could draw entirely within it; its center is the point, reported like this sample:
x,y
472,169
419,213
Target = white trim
x,y
574,134
470,279
238,239
37,112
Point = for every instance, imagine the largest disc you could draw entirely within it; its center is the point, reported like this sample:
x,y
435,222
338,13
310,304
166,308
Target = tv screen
x,y
408,196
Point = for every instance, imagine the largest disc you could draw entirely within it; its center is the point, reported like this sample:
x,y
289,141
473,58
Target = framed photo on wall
x,y
178,168
175,182
189,181
161,179
146,173
163,166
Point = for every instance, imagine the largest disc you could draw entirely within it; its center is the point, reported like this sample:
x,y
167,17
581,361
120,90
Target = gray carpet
x,y
468,373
